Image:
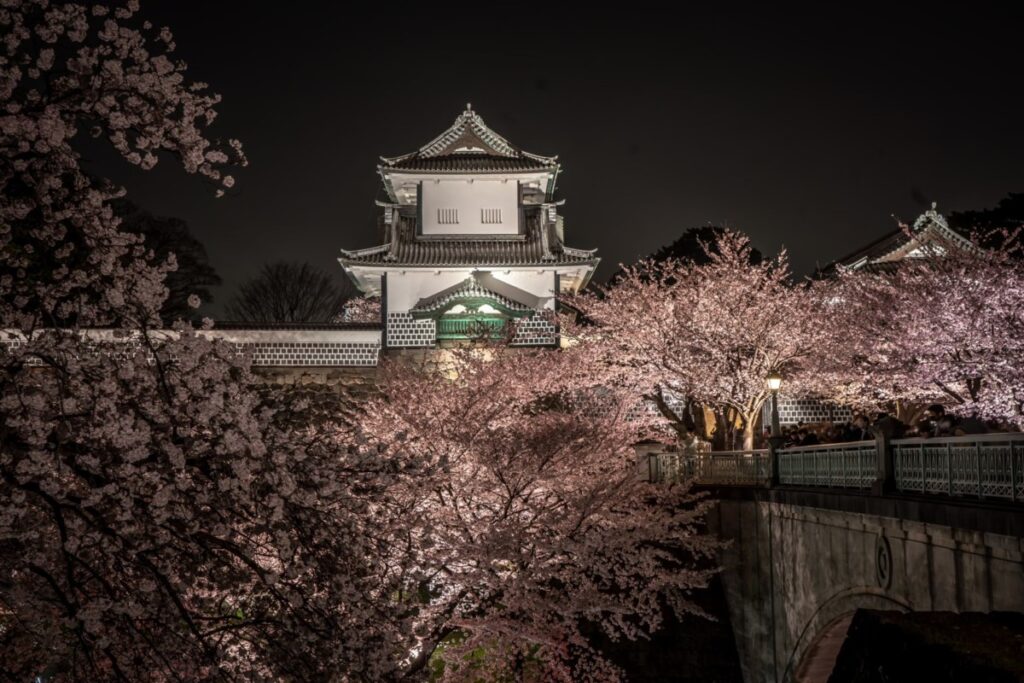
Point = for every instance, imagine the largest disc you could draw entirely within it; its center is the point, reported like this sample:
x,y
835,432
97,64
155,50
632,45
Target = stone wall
x,y
313,375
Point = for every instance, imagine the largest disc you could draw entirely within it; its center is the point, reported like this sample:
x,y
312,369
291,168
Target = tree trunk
x,y
749,424
678,422
722,435
909,412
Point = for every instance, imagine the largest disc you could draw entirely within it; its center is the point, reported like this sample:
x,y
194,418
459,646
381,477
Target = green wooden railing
x,y
471,328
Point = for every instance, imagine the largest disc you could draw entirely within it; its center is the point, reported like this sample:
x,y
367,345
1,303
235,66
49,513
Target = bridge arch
x,y
823,633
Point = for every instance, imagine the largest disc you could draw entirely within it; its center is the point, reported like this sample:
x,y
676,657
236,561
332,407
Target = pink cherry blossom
x,y
704,334
161,518
361,310
516,514
942,325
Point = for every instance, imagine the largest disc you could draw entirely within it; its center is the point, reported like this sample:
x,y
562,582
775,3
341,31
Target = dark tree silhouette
x,y
286,292
1008,214
166,236
690,246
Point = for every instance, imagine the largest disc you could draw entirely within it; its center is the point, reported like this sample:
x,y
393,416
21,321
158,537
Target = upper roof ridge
x,y
469,135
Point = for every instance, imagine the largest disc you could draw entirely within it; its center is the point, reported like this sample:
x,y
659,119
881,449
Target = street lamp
x,y
774,382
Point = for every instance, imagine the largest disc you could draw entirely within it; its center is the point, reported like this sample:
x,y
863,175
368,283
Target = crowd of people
x,y
936,422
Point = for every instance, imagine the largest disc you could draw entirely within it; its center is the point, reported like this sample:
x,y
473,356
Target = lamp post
x,y
774,382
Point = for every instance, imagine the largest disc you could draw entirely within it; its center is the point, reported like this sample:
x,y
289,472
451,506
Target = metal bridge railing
x,y
983,465
720,468
841,465
980,466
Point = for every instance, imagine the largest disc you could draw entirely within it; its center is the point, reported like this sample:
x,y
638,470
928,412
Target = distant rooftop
x,y
888,250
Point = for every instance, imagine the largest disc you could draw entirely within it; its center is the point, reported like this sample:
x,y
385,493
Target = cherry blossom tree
x,y
160,519
944,324
361,309
193,274
69,68
524,518
711,332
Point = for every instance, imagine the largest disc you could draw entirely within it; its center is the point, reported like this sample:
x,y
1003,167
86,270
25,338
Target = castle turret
x,y
472,240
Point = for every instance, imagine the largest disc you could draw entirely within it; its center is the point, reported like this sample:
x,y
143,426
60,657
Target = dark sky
x,y
805,130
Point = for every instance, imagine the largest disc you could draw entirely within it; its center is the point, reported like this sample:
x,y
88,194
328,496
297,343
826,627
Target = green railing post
x,y
1013,475
774,464
977,454
924,469
885,475
949,469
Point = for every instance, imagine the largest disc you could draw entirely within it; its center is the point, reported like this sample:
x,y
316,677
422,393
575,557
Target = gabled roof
x,y
511,298
930,231
469,146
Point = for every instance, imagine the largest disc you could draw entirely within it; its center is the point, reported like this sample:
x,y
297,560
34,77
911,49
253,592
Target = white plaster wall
x,y
404,184
538,283
469,198
407,288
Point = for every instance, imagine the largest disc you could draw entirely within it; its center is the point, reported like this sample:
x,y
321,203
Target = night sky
x,y
810,131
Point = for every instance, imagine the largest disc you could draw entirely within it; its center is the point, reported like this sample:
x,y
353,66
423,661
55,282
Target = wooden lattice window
x,y
447,216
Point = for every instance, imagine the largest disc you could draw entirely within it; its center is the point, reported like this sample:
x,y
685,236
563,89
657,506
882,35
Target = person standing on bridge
x,y
861,430
886,424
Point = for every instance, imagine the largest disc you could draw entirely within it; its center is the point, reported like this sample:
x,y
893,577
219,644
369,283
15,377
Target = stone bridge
x,y
818,533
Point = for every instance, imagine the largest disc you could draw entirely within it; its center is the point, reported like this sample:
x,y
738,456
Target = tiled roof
x,y
470,163
530,249
469,146
930,227
880,247
468,252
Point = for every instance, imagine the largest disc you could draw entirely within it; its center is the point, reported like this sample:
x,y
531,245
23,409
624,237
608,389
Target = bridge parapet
x,y
719,468
979,466
983,466
837,465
